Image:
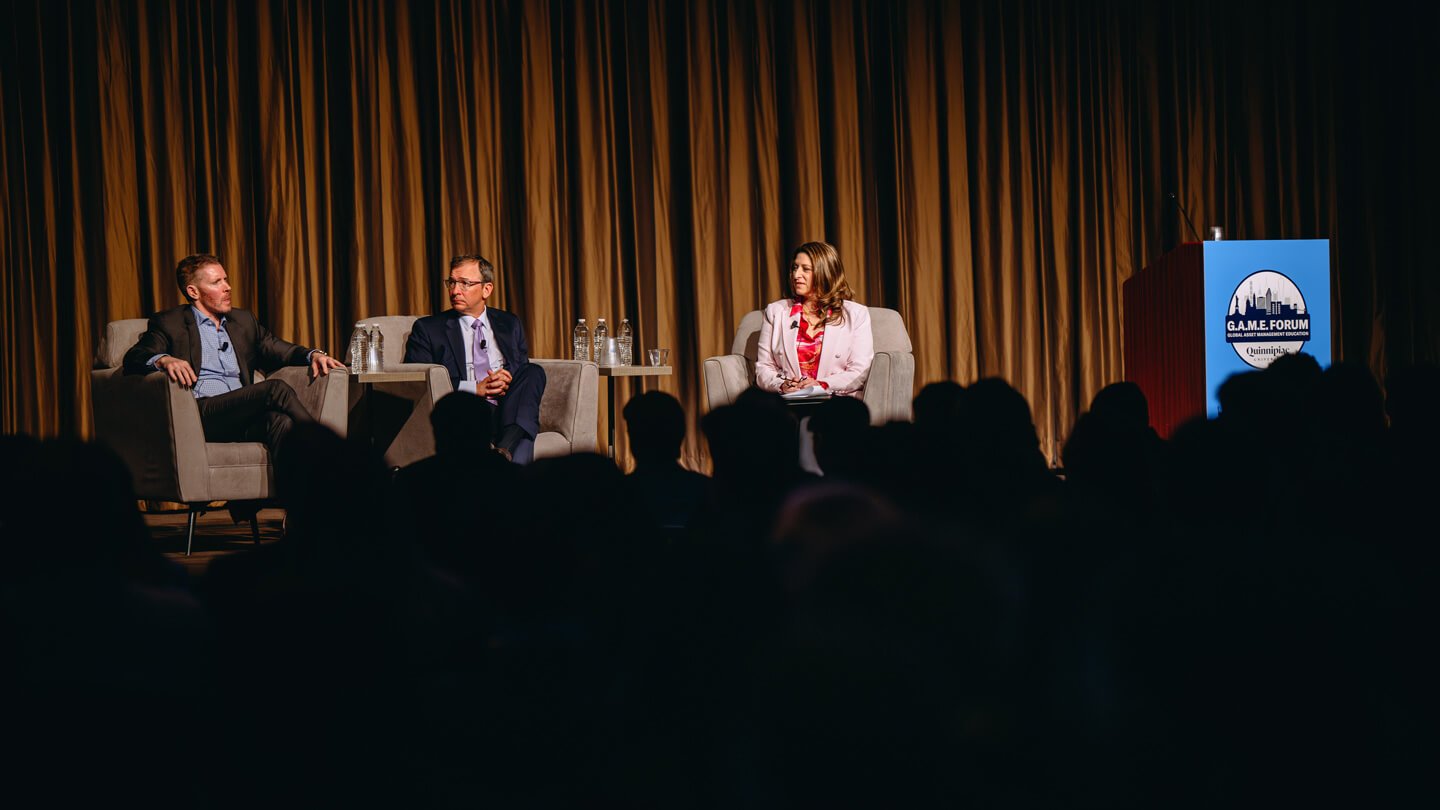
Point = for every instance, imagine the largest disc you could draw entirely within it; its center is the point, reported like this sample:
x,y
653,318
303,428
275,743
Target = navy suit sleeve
x,y
522,347
418,348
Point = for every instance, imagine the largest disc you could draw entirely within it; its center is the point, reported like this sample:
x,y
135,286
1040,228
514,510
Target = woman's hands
x,y
788,384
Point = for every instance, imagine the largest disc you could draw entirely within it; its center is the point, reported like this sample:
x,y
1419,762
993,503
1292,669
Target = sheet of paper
x,y
810,392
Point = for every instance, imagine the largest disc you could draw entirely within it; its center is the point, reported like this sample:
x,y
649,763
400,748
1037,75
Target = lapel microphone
x,y
795,324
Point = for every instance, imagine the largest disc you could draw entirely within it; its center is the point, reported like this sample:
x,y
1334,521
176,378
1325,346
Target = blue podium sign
x,y
1264,299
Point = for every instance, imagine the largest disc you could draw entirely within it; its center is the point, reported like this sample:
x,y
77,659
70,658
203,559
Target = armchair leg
x,y
190,530
255,529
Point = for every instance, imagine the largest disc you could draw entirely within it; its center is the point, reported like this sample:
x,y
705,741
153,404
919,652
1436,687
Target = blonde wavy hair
x,y
831,289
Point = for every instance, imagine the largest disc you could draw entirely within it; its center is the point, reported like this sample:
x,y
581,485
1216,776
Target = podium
x,y
1205,311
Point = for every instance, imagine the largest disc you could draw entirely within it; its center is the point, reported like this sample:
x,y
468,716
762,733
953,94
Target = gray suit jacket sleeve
x,y
270,352
154,341
173,332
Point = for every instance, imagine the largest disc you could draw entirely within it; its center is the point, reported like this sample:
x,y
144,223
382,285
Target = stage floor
x,y
215,535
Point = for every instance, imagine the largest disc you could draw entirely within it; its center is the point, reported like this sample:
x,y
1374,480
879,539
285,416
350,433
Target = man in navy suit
x,y
485,351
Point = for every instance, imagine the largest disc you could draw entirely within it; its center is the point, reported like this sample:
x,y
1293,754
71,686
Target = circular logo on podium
x,y
1267,317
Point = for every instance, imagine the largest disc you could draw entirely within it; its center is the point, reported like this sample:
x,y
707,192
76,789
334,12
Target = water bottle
x,y
357,349
625,342
602,333
581,342
379,349
373,362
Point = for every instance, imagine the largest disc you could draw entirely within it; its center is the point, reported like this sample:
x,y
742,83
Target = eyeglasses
x,y
462,283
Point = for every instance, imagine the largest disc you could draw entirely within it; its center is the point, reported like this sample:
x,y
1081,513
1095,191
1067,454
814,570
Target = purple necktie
x,y
481,356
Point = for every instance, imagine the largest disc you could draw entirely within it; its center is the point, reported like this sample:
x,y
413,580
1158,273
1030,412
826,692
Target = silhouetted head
x,y
655,423
753,397
1112,449
754,439
846,415
1245,398
1122,406
1199,472
329,486
1412,397
839,426
1348,401
937,406
539,565
1294,374
47,479
463,424
997,416
820,520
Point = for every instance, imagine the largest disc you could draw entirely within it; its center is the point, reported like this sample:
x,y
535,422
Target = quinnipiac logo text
x,y
1267,318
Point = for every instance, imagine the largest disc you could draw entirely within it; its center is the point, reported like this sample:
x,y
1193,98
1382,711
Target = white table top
x,y
635,371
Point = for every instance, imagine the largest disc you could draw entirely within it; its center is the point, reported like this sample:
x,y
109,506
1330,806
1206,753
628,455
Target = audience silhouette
x,y
670,494
1228,617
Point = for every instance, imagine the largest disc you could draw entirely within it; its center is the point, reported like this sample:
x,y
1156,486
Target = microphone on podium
x,y
1186,215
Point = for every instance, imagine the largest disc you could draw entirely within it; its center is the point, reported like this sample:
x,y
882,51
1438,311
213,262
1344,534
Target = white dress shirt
x,y
467,332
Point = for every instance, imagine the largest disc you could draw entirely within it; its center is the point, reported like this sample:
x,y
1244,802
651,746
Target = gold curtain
x,y
993,170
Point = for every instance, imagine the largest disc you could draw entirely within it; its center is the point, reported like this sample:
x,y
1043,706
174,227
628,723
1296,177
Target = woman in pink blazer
x,y
817,337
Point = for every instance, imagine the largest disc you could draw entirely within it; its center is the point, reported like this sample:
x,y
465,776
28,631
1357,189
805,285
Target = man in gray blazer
x,y
213,349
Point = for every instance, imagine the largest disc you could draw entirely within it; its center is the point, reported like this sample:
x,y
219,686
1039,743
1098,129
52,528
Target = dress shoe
x,y
243,511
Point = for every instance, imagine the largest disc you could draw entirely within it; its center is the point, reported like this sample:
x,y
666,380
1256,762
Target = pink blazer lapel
x,y
836,345
789,336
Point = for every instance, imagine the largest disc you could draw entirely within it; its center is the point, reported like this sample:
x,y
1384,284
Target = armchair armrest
x,y
439,380
327,398
154,426
725,377
888,389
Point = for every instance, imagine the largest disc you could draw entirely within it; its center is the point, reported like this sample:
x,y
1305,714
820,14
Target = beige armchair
x,y
569,410
410,402
154,425
889,389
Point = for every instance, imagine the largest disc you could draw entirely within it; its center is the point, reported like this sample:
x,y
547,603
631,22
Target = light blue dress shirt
x,y
219,370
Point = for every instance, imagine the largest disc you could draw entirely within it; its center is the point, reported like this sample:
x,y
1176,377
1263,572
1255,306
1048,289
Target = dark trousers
x,y
263,412
517,415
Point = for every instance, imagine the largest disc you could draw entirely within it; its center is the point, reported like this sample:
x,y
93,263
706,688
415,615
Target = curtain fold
x,y
992,170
